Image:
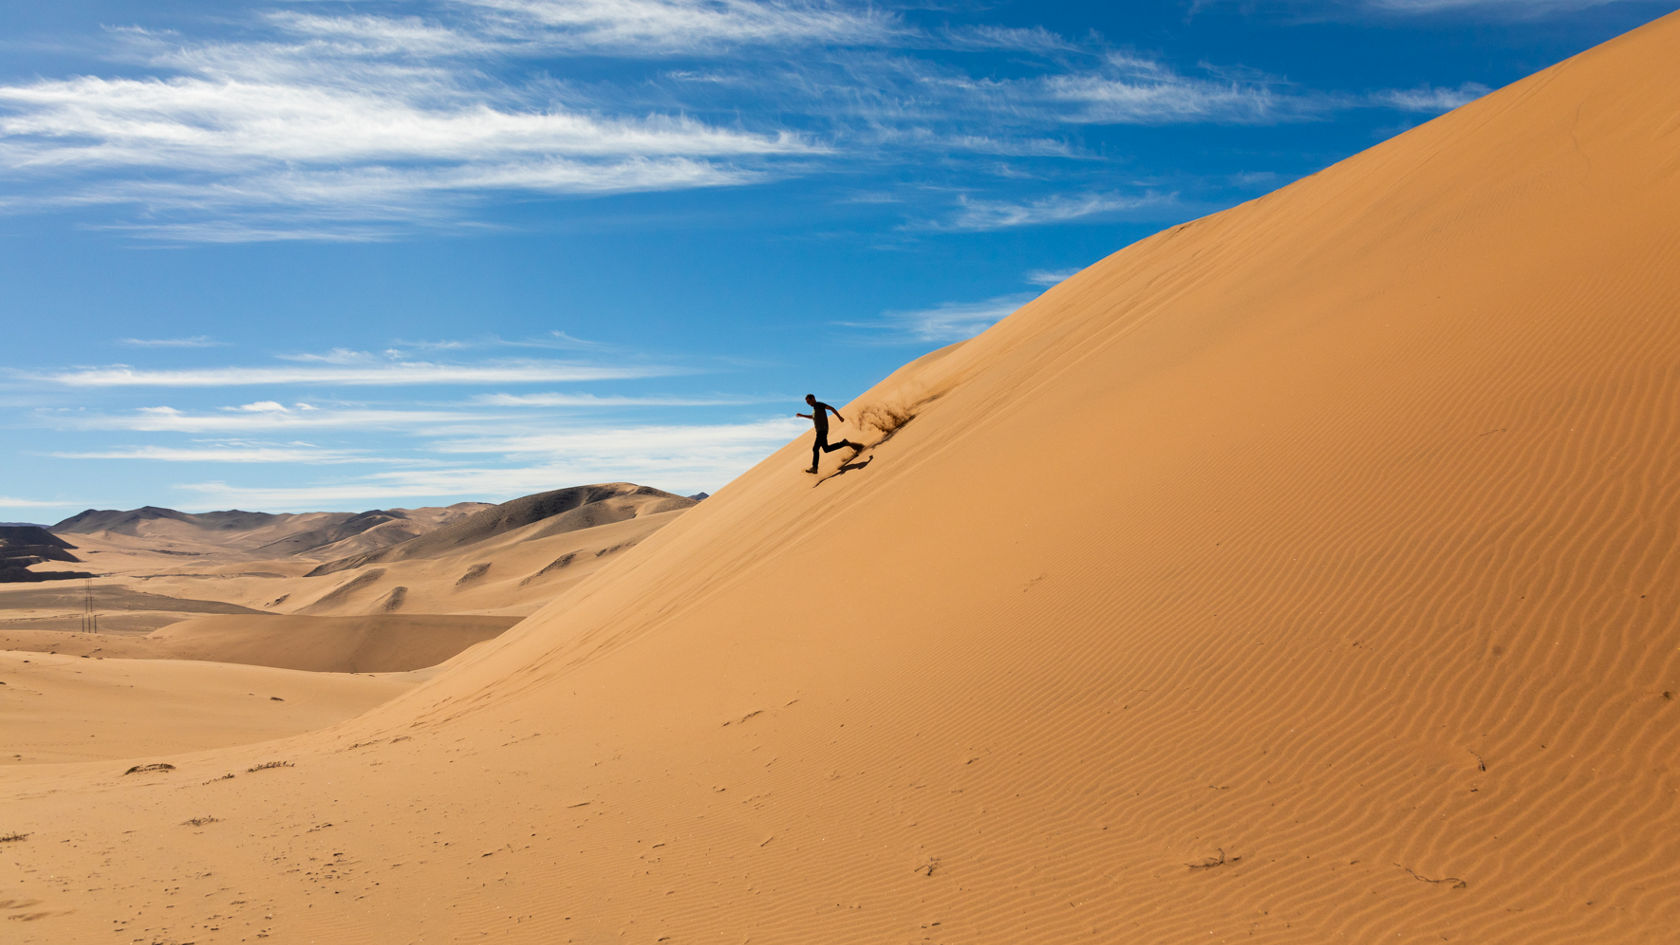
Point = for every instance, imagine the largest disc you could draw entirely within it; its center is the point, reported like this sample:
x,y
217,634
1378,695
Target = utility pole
x,y
90,620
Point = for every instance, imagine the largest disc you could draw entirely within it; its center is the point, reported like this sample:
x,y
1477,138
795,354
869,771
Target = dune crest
x,y
1303,573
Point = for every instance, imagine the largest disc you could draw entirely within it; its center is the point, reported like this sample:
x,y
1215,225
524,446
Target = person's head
x,y
811,399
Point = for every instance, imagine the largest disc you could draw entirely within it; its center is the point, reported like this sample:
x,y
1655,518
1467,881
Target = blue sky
x,y
340,255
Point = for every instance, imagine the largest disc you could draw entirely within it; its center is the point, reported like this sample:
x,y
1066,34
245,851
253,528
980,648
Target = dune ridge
x,y
562,510
1343,609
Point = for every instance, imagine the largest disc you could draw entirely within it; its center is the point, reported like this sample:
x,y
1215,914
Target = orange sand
x,y
1306,573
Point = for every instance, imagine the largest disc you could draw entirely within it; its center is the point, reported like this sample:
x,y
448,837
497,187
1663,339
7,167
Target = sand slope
x,y
382,643
1335,602
65,708
367,644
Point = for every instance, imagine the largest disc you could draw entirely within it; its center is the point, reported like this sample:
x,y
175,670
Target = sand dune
x,y
1341,607
64,708
560,511
122,608
470,558
506,561
365,644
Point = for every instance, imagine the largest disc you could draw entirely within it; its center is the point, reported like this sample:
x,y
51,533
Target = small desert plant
x,y
199,821
13,837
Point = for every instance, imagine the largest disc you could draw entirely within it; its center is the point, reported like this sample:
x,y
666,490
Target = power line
x,y
90,619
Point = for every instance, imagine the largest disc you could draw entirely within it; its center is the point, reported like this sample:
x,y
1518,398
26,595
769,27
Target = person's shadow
x,y
846,467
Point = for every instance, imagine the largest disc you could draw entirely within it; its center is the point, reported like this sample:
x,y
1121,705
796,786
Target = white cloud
x,y
333,356
1130,90
213,124
640,440
9,502
262,417
1429,98
228,454
941,324
1518,8
196,341
663,27
301,124
268,406
1050,277
679,458
553,340
242,228
1342,9
1033,39
384,374
975,215
593,400
344,123
364,35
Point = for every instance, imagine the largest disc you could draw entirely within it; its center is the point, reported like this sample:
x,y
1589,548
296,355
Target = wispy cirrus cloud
x,y
597,401
12,502
1050,277
303,122
655,439
1516,8
321,126
1430,99
195,341
666,27
1132,90
553,340
1311,10
979,214
373,374
265,417
938,324
678,457
228,453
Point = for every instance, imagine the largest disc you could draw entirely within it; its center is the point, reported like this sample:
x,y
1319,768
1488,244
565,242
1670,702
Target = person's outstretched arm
x,y
836,414
805,415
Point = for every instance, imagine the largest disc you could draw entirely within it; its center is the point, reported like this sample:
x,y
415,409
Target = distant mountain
x,y
371,531
565,510
25,545
128,523
113,520
269,534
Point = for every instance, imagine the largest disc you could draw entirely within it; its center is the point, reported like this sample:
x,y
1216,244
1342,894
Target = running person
x,y
819,417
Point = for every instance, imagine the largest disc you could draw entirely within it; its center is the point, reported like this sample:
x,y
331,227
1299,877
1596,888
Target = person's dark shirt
x,y
819,416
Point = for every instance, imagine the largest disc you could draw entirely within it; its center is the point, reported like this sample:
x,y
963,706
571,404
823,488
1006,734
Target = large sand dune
x,y
1333,600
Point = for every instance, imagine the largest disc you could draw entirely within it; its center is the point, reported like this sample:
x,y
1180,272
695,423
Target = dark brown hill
x,y
25,545
570,509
